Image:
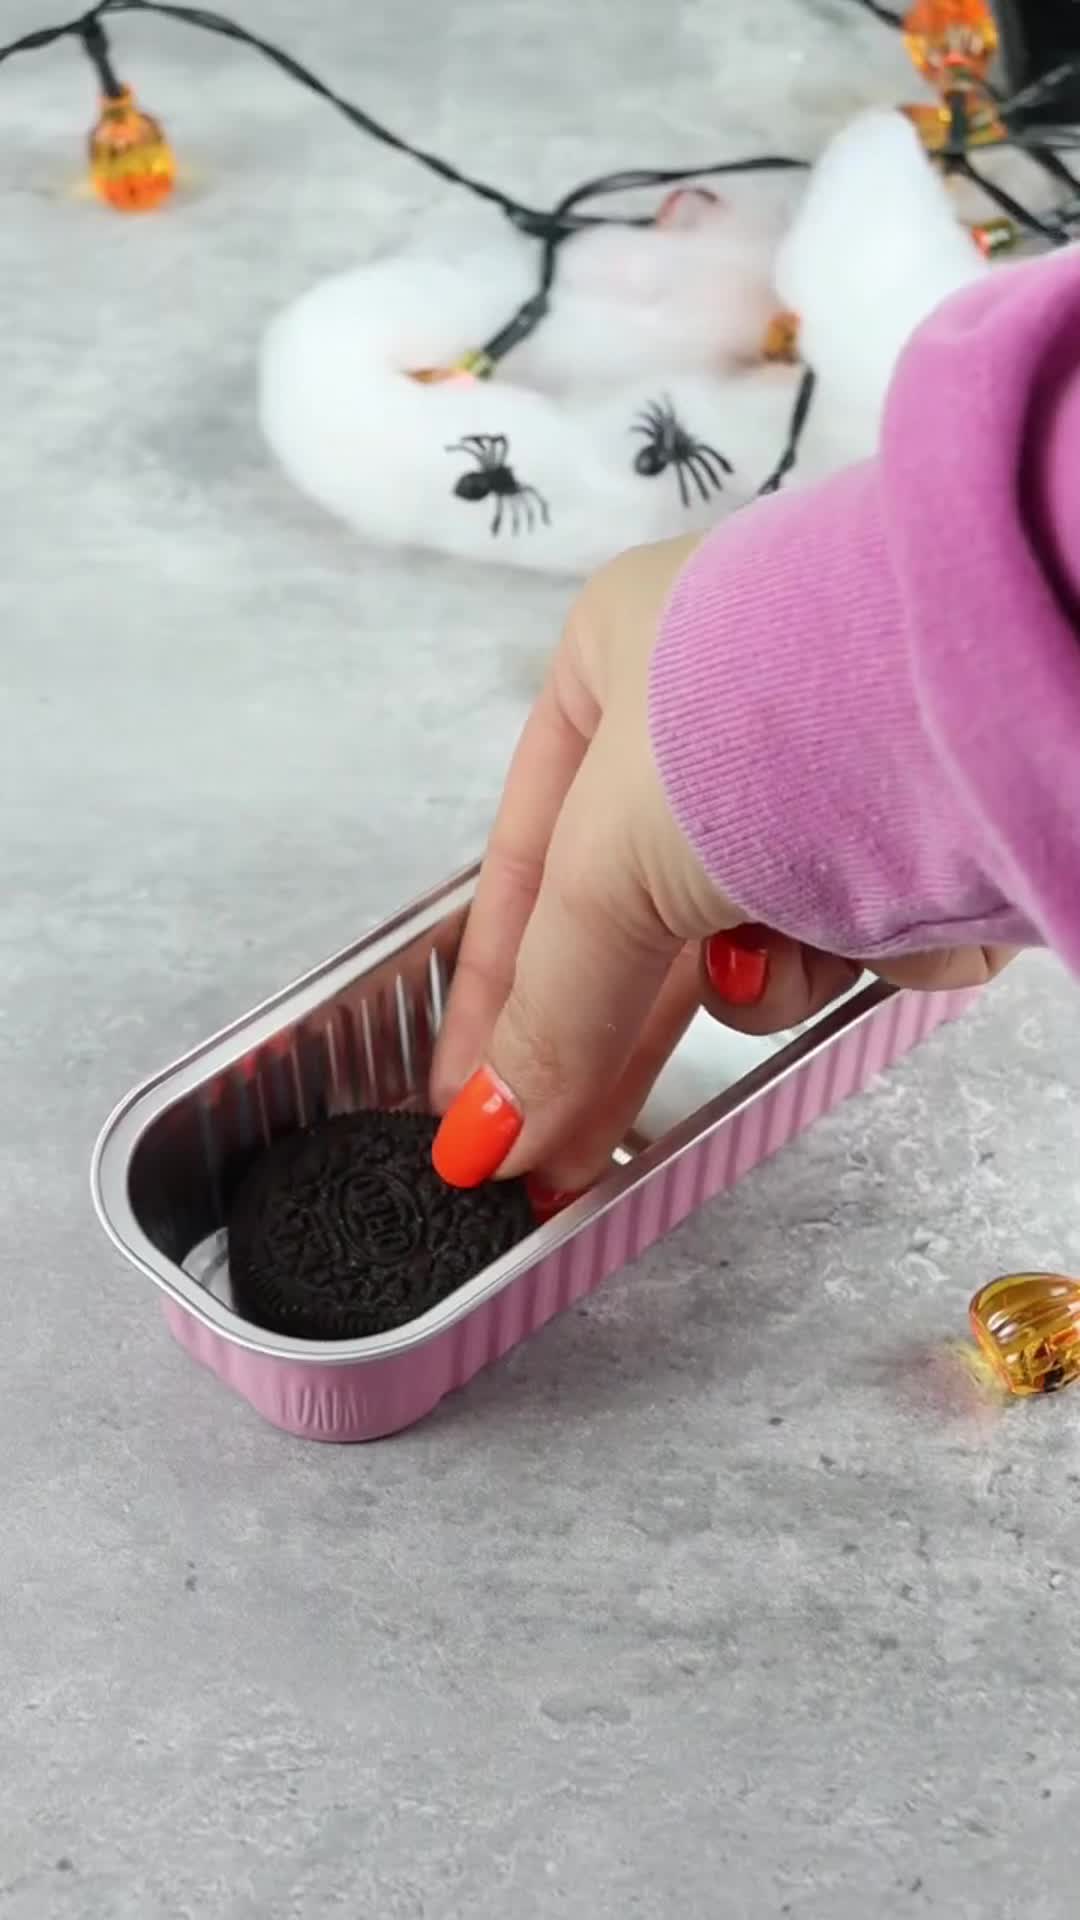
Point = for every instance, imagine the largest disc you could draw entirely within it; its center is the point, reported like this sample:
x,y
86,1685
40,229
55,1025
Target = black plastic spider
x,y
668,444
495,478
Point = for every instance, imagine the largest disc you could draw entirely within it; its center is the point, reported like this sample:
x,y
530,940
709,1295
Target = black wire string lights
x,y
135,167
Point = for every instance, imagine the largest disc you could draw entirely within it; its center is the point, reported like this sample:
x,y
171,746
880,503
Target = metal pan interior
x,y
359,1032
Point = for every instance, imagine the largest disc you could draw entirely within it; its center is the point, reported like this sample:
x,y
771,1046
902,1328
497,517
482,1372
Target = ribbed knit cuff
x,y
789,742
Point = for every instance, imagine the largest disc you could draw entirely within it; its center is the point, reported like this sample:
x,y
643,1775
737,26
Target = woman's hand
x,y
583,959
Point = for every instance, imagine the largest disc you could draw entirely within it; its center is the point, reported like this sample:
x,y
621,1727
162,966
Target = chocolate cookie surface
x,y
346,1230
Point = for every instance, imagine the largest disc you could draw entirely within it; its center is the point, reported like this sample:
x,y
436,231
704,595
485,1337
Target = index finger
x,y
542,771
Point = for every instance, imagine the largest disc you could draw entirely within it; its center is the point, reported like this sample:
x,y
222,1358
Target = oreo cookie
x,y
346,1230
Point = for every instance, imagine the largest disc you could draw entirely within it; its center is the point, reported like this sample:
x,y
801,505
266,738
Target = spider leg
x,y
473,447
649,421
499,447
497,517
707,454
708,468
542,506
525,500
684,491
693,465
727,465
707,459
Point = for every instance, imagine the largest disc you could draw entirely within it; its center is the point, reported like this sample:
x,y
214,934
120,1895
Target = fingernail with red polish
x,y
477,1131
547,1201
737,965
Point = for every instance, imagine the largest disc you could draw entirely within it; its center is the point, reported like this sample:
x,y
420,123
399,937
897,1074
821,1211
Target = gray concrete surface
x,y
723,1598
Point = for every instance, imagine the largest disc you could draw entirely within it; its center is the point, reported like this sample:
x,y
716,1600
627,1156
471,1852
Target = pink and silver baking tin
x,y
359,1031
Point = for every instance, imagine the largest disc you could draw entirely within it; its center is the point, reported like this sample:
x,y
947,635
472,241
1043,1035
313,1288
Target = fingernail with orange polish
x,y
477,1131
737,965
547,1201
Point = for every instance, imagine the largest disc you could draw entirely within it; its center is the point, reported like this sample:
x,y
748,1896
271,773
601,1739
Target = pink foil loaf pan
x,y
359,1032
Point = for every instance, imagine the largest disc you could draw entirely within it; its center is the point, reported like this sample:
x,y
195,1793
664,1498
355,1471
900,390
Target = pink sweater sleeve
x,y
866,696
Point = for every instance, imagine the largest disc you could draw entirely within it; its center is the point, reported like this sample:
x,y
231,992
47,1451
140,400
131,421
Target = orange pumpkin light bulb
x,y
132,166
951,42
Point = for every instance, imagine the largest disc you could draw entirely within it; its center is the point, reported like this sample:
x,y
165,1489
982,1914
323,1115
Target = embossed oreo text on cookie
x,y
382,1219
347,1231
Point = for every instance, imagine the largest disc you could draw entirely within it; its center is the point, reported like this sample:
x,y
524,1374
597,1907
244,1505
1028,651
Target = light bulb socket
x,y
96,46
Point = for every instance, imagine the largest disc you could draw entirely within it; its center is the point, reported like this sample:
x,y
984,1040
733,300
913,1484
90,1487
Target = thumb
x,y
591,962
